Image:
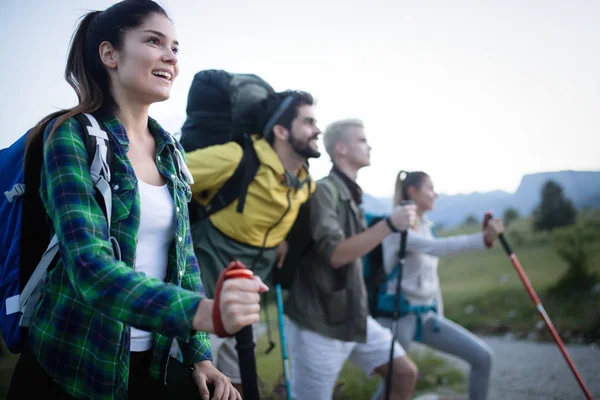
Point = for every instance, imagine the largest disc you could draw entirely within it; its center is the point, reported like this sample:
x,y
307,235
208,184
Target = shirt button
x,y
177,209
115,187
180,239
173,176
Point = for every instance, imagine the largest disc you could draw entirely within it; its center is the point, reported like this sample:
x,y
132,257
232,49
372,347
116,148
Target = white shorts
x,y
316,360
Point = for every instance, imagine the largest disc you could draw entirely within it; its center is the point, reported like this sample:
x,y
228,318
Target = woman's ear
x,y
108,55
412,191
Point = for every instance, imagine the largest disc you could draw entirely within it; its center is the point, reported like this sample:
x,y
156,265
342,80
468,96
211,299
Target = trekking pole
x,y
245,349
396,312
540,307
280,317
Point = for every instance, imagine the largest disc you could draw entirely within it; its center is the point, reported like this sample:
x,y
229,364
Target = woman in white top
x,y
421,287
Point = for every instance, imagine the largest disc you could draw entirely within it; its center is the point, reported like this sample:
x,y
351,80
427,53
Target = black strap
x,y
390,225
236,186
249,167
376,275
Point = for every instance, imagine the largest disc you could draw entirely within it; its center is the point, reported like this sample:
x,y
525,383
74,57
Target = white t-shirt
x,y
155,235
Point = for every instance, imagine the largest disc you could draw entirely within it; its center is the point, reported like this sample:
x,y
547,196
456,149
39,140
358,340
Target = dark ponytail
x,y
84,70
404,180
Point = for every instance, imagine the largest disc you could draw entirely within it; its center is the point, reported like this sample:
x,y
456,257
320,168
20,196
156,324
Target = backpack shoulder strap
x,y
237,185
101,159
374,273
100,171
249,165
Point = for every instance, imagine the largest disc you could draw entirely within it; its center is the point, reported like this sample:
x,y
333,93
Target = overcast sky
x,y
476,93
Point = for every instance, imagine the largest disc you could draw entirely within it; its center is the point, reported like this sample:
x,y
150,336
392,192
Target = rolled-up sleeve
x,y
325,227
198,348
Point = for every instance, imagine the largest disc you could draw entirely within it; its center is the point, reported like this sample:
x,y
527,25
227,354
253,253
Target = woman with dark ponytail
x,y
110,324
422,315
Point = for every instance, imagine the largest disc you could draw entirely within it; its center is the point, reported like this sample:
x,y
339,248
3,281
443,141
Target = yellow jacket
x,y
271,205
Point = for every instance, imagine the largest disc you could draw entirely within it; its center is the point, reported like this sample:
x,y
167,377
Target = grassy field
x,y
483,292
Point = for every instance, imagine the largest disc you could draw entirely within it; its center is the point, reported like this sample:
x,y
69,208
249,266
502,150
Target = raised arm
x,y
416,242
329,236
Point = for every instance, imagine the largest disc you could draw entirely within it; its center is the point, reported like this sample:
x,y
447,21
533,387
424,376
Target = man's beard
x,y
303,148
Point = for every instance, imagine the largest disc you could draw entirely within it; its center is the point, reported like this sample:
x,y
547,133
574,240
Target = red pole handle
x,y
486,219
244,338
235,270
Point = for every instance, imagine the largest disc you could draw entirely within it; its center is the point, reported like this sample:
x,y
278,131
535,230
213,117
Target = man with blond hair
x,y
328,317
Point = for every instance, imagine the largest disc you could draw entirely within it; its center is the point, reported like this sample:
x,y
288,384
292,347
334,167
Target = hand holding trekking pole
x,y
492,228
404,216
410,209
539,306
237,300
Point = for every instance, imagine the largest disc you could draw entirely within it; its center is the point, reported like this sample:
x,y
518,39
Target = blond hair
x,y
339,131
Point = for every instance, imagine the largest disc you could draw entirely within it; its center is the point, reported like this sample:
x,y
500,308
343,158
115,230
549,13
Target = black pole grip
x,y
507,248
402,251
247,362
401,256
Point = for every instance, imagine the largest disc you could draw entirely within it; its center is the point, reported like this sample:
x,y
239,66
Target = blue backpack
x,y
27,245
381,303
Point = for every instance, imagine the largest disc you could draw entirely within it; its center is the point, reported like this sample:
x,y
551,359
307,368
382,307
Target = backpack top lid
x,y
220,105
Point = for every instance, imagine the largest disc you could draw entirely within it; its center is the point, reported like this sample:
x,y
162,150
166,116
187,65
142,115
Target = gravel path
x,y
528,370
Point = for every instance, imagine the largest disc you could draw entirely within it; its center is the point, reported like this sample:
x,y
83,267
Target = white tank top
x,y
155,235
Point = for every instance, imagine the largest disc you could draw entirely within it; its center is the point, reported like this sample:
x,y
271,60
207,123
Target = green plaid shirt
x,y
80,333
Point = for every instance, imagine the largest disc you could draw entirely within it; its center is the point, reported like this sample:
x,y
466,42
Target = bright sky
x,y
476,93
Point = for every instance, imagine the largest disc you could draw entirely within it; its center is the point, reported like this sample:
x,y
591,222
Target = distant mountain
x,y
374,205
581,187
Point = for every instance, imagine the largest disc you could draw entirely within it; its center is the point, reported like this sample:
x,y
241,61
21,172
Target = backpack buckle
x,y
16,191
